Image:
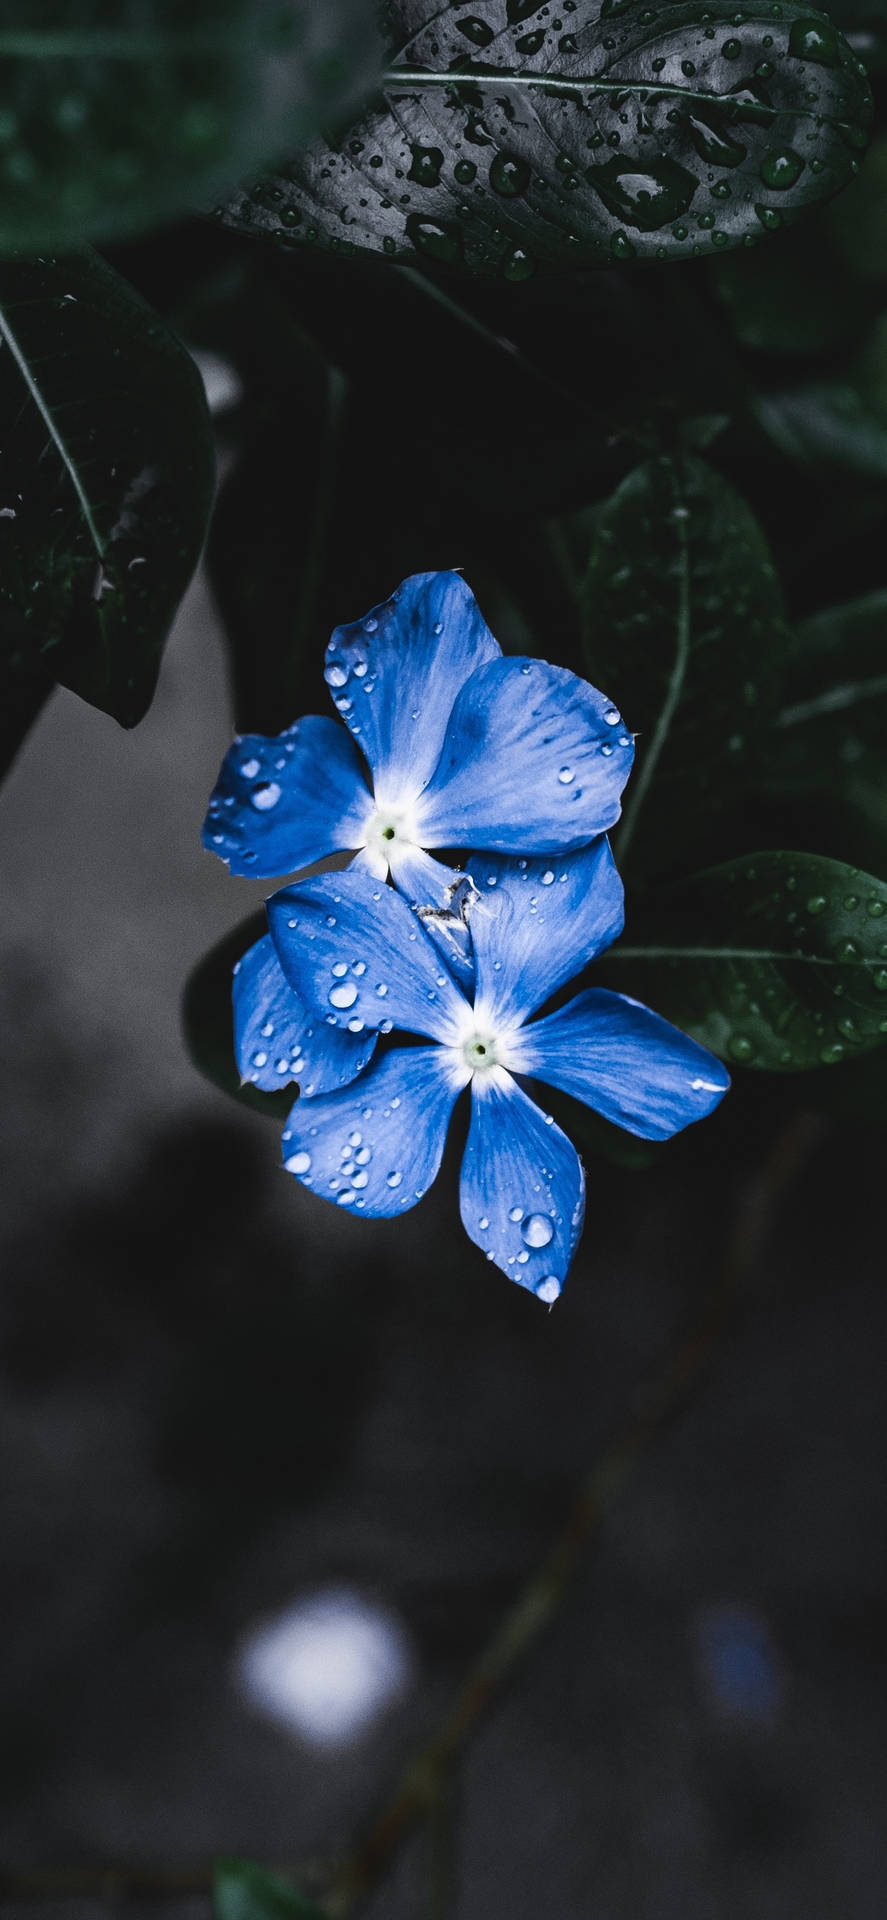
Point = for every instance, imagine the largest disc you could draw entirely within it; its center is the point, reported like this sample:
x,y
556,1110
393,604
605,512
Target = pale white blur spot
x,y
327,1667
221,381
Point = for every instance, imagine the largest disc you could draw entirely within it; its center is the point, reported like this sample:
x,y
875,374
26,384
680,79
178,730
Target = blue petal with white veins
x,y
522,1194
533,757
376,1147
358,955
282,803
395,675
537,922
624,1061
277,1038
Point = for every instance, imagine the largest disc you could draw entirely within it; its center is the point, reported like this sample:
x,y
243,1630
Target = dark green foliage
x,y
106,476
118,113
209,1024
778,960
511,141
243,1891
684,627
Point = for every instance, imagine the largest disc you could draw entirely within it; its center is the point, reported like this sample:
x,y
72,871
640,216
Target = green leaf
x,y
208,1019
106,477
826,766
836,422
778,960
115,117
243,1891
611,133
683,629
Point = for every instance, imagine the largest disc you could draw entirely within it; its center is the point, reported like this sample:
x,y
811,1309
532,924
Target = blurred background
x,y
270,1476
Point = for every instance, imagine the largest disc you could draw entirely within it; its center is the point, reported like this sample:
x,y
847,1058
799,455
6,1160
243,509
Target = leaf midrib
x,y
406,77
46,415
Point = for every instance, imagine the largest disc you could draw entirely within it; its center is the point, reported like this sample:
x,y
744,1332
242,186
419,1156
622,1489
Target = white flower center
x,y
389,830
480,1052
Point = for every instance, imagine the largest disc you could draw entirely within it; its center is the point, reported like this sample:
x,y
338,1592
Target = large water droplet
x,y
566,776
343,996
548,1289
265,795
298,1163
335,675
537,1230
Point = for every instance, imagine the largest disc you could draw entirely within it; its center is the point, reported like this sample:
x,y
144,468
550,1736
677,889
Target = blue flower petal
x,y
533,757
441,896
277,1038
358,955
395,675
522,1195
280,804
626,1062
376,1147
537,922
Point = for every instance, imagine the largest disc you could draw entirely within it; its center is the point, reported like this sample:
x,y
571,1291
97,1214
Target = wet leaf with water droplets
x,y
636,134
106,475
684,625
778,960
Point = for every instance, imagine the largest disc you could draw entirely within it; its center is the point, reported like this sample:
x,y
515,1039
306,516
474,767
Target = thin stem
x,y
650,760
834,700
737,953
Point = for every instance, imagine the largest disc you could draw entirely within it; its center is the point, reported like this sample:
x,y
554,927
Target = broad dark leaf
x,y
243,1891
826,767
208,1019
510,140
777,961
106,476
684,627
839,421
119,113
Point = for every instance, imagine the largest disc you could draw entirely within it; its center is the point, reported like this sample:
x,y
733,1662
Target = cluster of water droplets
x,y
648,135
252,776
820,997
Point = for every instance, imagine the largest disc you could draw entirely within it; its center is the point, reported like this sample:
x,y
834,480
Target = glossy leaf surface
x,y
684,626
116,115
106,476
778,960
515,137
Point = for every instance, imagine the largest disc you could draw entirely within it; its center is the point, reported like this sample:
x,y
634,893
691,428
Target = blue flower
x,y
362,959
451,745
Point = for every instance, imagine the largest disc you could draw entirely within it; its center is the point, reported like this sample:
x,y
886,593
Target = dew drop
x,y
298,1163
335,675
343,996
547,877
566,776
394,1179
339,969
515,1213
548,1289
265,795
537,1230
249,769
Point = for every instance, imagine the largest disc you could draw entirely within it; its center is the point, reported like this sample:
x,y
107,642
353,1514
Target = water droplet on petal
x,y
537,1230
566,775
548,1289
394,1179
343,996
265,795
298,1163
